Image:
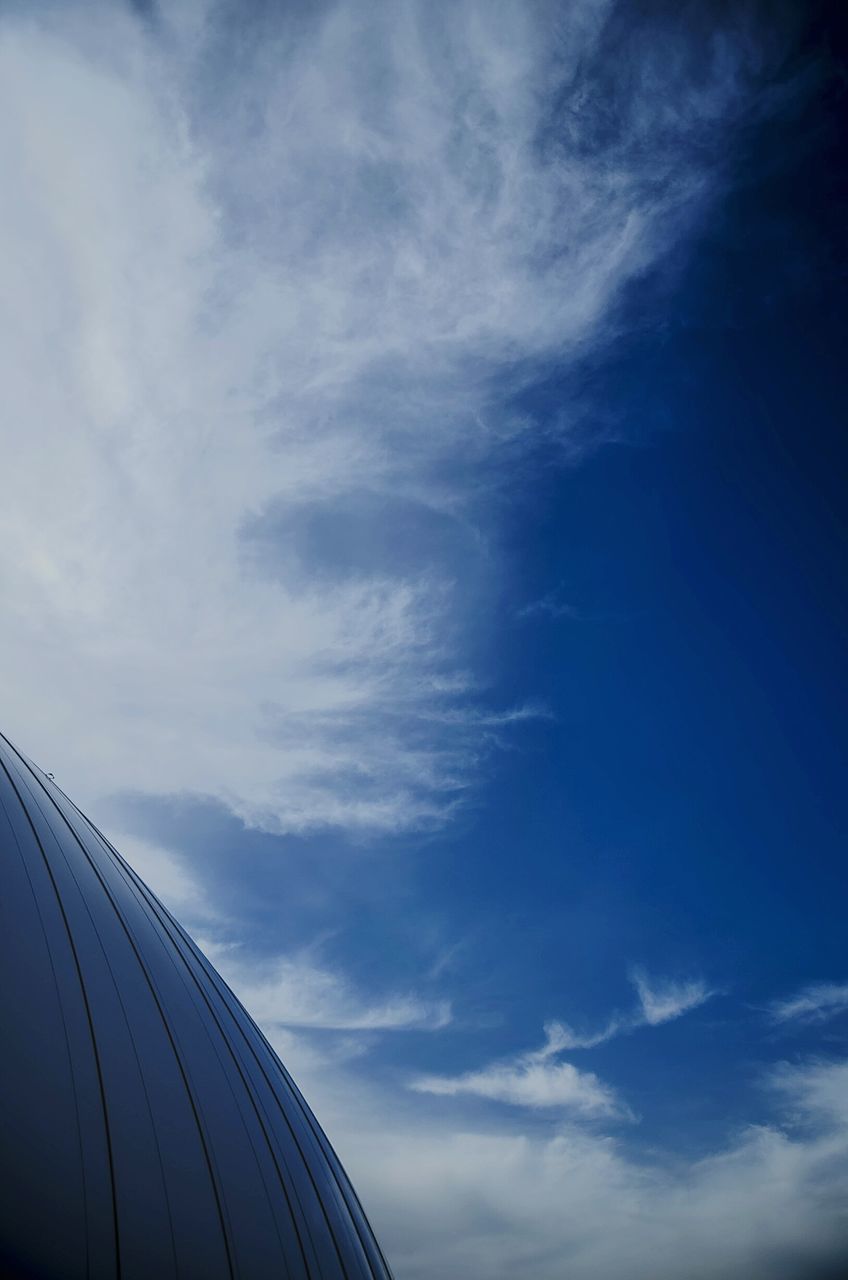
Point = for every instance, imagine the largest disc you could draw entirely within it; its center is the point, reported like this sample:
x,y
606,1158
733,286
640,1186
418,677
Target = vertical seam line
x,y
98,1064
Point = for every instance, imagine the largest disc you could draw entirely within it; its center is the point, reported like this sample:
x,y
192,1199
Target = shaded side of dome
x,y
148,1128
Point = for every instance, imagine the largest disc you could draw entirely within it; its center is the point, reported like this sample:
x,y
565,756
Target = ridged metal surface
x,y
148,1129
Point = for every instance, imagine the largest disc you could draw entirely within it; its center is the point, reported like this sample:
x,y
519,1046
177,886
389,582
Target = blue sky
x,y
426,557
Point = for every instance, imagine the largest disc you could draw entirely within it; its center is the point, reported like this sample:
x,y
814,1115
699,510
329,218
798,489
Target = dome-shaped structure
x,y
147,1128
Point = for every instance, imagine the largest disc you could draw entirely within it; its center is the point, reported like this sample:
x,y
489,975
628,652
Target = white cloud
x,y
258,307
661,1001
534,1080
530,1080
552,604
815,1003
295,991
565,1037
817,1091
306,1055
527,1084
493,1201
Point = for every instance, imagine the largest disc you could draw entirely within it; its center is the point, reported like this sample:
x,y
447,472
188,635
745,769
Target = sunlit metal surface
x,y
148,1128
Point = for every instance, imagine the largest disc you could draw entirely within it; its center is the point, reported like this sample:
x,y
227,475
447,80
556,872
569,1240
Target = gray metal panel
x,y
147,1128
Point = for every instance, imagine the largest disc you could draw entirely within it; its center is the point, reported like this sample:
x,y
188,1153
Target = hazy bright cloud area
x,y
420,549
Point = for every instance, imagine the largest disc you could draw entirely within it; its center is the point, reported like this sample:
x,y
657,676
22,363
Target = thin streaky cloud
x,y
659,1001
560,1036
530,1080
537,1079
553,605
665,999
296,992
817,1002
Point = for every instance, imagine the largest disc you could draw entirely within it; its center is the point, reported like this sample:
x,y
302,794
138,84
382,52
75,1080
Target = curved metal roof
x,y
147,1128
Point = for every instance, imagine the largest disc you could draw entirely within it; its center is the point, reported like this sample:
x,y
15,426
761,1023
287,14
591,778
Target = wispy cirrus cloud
x,y
817,1002
297,991
536,1079
659,1000
664,999
532,1079
552,604
267,314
